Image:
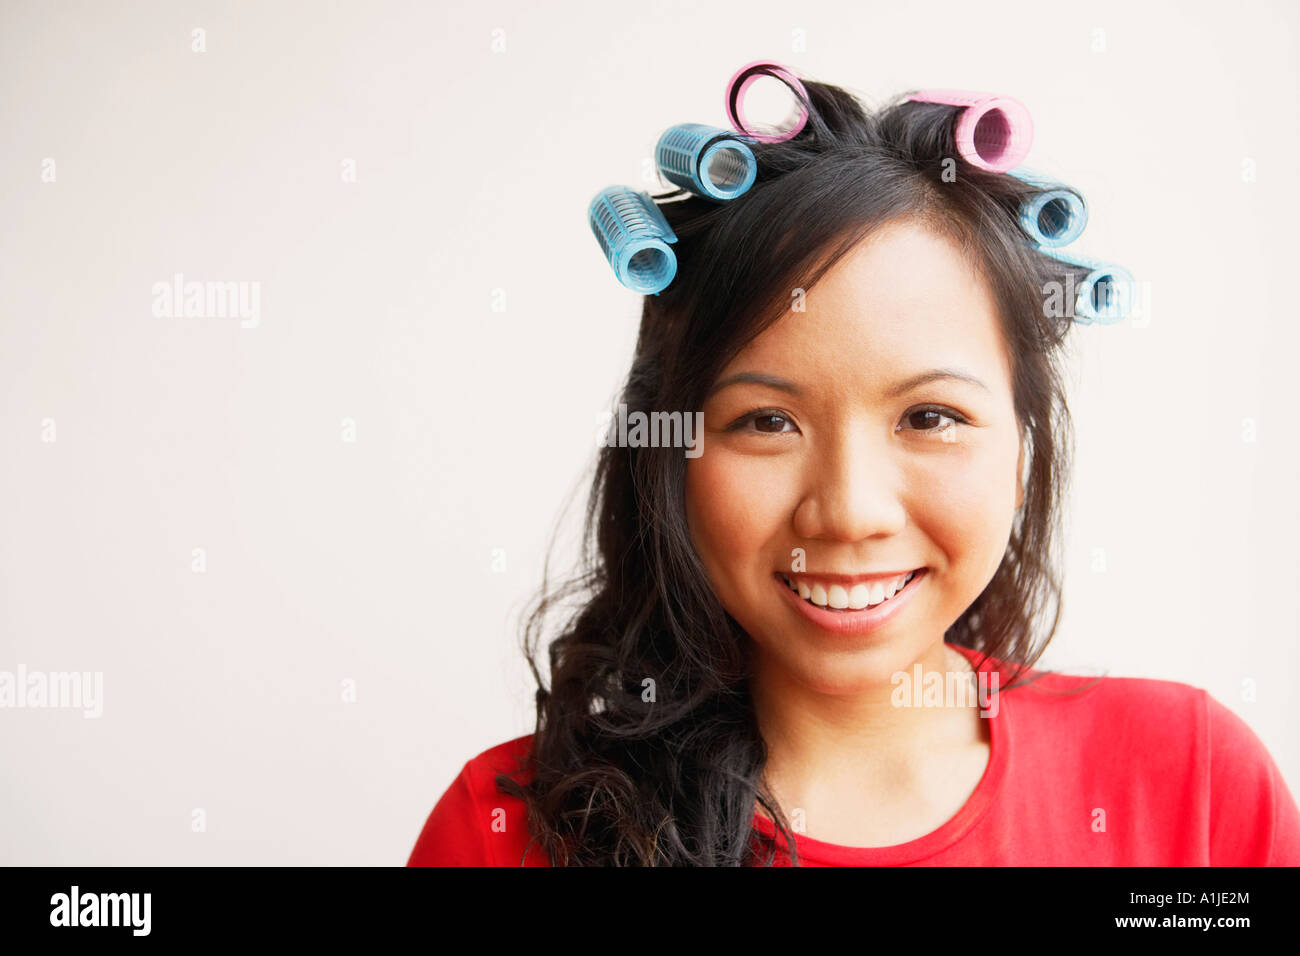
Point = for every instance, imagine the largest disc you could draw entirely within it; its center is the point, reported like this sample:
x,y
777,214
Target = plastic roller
x,y
634,236
1054,217
710,162
1106,295
992,132
740,83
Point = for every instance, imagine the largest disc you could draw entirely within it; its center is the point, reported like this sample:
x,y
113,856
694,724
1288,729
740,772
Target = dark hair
x,y
617,780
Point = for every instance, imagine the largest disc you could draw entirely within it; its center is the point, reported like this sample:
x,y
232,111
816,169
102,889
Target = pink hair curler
x,y
745,77
992,132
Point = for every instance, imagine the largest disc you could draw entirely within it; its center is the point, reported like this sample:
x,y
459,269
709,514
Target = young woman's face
x,y
822,464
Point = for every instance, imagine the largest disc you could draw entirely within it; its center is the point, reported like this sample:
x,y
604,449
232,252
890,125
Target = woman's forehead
x,y
903,301
899,273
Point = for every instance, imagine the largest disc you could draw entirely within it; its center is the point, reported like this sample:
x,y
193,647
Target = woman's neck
x,y
823,746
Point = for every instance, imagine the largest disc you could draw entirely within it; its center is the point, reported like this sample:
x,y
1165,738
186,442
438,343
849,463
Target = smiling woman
x,y
879,470
873,465
886,446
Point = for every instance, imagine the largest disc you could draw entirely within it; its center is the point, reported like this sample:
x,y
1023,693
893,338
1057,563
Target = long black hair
x,y
646,749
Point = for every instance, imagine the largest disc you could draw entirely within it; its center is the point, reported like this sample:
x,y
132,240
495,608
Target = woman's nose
x,y
852,490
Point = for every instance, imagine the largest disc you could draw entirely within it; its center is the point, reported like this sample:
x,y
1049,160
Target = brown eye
x,y
768,421
933,419
771,423
926,420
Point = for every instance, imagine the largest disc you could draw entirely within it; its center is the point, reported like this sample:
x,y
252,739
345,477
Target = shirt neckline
x,y
948,833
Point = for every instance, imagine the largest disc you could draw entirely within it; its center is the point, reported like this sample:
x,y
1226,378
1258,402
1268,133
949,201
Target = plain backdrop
x,y
298,551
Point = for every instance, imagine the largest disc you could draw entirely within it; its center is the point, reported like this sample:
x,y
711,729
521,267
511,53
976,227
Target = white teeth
x,y
859,597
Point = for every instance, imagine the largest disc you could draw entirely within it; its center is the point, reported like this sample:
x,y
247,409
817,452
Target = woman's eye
x,y
768,421
936,420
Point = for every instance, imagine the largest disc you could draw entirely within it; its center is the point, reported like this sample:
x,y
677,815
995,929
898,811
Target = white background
x,y
372,561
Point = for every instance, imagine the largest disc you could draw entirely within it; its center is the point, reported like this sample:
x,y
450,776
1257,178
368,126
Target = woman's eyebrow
x,y
898,388
756,378
931,375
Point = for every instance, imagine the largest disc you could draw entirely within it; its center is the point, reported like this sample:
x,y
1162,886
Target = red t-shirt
x,y
1131,772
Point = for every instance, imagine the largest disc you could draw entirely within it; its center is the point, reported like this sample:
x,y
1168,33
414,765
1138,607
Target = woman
x,y
870,344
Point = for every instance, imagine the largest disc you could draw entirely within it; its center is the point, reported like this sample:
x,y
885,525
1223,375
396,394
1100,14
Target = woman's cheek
x,y
967,510
734,507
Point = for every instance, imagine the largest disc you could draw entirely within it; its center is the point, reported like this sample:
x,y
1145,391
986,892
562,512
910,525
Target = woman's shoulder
x,y
1165,744
1175,727
474,824
1114,710
1076,702
480,772
1073,693
507,757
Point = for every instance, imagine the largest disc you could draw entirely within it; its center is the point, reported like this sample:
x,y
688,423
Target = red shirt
x,y
1132,772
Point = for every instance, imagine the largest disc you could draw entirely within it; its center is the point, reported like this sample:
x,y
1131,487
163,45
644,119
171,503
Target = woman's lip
x,y
849,621
848,581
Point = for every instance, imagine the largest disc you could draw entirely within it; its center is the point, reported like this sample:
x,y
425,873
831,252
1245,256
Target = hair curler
x,y
992,132
634,236
1054,217
710,162
1106,295
744,79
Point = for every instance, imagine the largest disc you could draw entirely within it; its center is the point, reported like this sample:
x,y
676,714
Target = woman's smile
x,y
860,609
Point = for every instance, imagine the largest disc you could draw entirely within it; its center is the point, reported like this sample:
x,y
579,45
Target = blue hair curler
x,y
1106,295
634,236
708,161
1054,217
